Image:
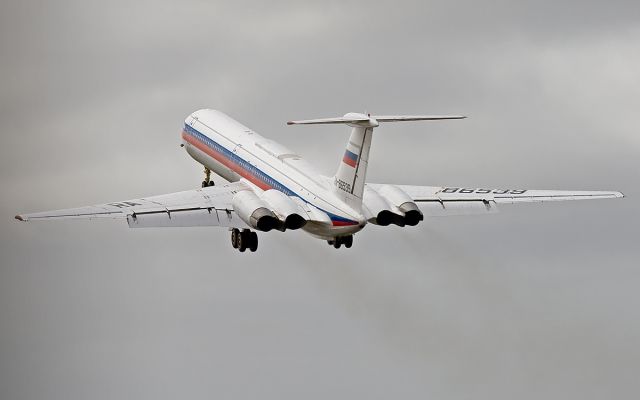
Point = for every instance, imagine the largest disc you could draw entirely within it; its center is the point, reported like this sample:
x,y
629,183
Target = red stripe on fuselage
x,y
239,170
343,223
225,161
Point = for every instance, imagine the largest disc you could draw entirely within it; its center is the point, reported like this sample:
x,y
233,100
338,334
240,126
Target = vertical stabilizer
x,y
350,178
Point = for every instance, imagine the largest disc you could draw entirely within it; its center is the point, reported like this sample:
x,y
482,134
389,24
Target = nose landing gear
x,y
244,239
207,178
347,241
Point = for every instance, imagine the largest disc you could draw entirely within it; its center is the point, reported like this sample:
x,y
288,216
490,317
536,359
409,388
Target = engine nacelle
x,y
254,211
382,212
404,202
398,198
289,213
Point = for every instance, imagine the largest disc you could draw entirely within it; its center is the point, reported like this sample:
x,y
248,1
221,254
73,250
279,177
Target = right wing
x,y
210,206
444,201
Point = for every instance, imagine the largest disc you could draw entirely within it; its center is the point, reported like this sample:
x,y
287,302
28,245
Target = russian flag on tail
x,y
350,158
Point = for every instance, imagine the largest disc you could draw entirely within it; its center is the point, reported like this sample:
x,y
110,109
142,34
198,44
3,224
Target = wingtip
x,y
290,122
20,218
620,195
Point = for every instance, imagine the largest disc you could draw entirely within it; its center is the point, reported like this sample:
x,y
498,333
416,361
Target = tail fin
x,y
350,179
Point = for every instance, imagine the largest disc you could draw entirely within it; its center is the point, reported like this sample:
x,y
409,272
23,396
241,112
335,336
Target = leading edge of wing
x,y
440,193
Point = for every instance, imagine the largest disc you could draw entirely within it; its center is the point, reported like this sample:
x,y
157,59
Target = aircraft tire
x,y
348,241
204,184
211,183
253,241
234,237
337,243
242,241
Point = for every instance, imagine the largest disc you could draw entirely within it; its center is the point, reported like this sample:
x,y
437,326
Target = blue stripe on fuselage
x,y
254,170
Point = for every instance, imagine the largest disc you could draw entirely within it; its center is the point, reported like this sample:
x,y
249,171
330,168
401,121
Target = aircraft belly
x,y
211,163
326,231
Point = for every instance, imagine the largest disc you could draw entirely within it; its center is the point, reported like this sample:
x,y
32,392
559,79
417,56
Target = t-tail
x,y
349,180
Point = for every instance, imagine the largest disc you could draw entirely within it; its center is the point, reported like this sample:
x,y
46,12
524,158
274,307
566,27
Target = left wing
x,y
210,206
443,201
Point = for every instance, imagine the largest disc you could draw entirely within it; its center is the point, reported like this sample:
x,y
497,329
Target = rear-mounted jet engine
x,y
254,211
390,205
290,215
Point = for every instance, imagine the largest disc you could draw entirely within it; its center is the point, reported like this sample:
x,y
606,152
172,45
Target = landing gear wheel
x,y
211,183
348,241
242,241
207,178
253,241
234,237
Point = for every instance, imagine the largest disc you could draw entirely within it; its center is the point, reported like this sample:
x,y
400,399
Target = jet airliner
x,y
270,187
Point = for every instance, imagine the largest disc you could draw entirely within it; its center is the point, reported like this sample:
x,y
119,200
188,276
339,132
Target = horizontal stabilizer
x,y
397,118
337,120
372,120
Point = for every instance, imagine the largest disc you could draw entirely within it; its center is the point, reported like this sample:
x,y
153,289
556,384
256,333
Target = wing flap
x,y
88,212
186,218
437,208
553,195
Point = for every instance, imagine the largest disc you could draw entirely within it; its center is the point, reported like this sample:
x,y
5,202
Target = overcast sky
x,y
534,302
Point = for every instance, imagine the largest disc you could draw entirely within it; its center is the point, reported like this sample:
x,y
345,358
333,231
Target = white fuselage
x,y
236,152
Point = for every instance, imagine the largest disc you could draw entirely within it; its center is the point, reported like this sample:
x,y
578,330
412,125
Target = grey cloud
x,y
537,301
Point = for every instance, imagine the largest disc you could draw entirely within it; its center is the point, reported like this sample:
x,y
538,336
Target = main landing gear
x,y
207,178
347,241
244,239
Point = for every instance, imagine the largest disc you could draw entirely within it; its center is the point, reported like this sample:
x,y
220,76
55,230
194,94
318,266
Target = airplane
x,y
273,188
